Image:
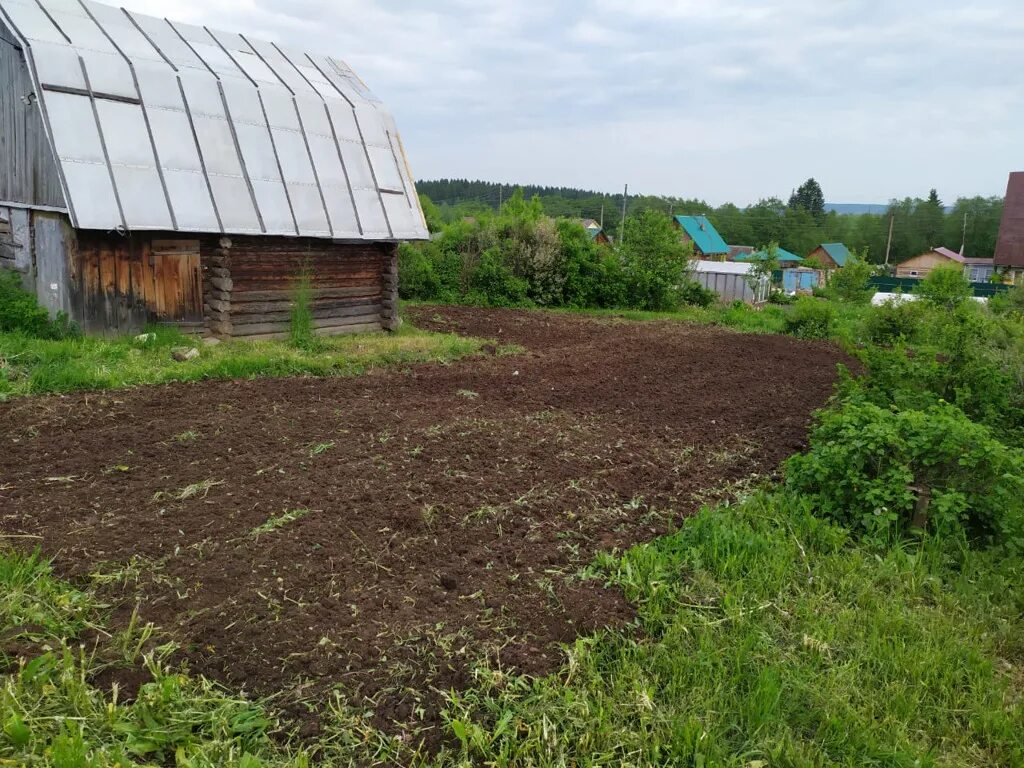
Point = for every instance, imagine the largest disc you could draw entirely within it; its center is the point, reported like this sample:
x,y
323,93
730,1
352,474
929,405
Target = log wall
x,y
249,285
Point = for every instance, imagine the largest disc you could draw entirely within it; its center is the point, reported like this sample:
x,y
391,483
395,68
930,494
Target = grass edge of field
x,y
32,366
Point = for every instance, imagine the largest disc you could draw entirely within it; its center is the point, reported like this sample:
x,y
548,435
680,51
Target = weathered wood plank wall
x,y
249,285
120,284
28,172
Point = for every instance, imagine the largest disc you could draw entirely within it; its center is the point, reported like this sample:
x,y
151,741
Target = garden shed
x,y
152,171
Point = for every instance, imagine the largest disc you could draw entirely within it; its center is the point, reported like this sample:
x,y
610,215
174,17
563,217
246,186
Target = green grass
x,y
768,637
765,637
30,366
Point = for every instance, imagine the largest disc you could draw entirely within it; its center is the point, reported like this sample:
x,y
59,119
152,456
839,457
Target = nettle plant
x,y
885,474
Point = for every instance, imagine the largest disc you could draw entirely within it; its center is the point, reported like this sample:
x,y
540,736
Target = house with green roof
x,y
707,243
830,256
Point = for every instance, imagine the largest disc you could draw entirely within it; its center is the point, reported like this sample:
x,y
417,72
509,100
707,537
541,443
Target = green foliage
x,y
968,357
868,466
893,322
655,262
918,224
810,198
851,282
493,284
417,277
301,332
768,637
945,286
19,312
810,318
520,257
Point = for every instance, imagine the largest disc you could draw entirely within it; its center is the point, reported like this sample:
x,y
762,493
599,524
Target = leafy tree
x,y
432,214
809,197
851,282
655,261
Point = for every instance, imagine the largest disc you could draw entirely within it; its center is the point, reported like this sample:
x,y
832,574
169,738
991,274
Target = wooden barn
x,y
152,171
1010,246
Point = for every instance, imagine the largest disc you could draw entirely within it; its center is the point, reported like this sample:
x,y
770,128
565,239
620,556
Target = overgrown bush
x,y
810,318
882,472
851,282
493,284
894,321
20,313
417,278
945,287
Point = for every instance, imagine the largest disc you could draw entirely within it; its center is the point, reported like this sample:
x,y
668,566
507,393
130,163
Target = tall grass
x,y
301,332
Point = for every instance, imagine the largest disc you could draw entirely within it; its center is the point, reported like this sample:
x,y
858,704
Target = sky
x,y
723,100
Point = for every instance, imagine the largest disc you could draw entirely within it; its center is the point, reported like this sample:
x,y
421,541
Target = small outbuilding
x,y
1010,246
152,171
596,231
829,256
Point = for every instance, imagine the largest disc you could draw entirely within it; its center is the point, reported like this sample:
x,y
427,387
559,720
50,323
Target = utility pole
x,y
602,215
888,245
500,199
622,232
963,242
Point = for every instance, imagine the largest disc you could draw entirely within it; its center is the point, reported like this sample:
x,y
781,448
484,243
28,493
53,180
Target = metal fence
x,y
885,284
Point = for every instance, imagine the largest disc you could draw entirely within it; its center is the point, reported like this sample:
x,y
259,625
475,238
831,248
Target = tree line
x,y
799,224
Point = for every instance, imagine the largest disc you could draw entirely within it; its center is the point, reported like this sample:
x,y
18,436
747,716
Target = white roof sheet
x,y
721,267
165,126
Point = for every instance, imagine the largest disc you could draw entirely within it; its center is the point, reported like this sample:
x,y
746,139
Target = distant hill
x,y
855,209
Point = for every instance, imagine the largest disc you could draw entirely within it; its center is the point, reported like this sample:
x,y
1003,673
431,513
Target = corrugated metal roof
x,y
838,252
1010,246
704,235
165,126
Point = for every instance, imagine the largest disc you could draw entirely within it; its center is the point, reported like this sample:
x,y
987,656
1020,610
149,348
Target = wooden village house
x,y
707,243
975,270
1010,246
152,171
829,256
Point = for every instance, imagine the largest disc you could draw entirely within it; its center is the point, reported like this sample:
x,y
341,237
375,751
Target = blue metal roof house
x,y
707,243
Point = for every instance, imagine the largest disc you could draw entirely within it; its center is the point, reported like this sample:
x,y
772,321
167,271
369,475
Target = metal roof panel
x,y
178,126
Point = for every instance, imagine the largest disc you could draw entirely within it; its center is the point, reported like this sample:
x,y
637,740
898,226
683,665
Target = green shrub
x,y
694,294
810,318
417,278
493,284
851,282
945,287
19,312
867,468
894,321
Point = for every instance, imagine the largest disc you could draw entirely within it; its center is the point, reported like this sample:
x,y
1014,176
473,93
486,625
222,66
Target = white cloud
x,y
723,99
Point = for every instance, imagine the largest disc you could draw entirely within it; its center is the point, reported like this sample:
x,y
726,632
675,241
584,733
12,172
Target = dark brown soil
x,y
448,509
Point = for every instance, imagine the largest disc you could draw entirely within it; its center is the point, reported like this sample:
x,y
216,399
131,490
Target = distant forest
x,y
796,225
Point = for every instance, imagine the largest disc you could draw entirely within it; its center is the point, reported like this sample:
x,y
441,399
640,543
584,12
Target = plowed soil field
x,y
377,535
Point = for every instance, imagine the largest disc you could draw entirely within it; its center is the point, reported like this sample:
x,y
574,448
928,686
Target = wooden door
x,y
177,284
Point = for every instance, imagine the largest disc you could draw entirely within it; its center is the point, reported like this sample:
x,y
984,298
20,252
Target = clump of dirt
x,y
381,533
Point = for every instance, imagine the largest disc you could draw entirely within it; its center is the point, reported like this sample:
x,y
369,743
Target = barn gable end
x,y
28,173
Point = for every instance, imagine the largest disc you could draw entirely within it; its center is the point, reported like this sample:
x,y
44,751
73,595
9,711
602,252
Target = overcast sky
x,y
726,100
